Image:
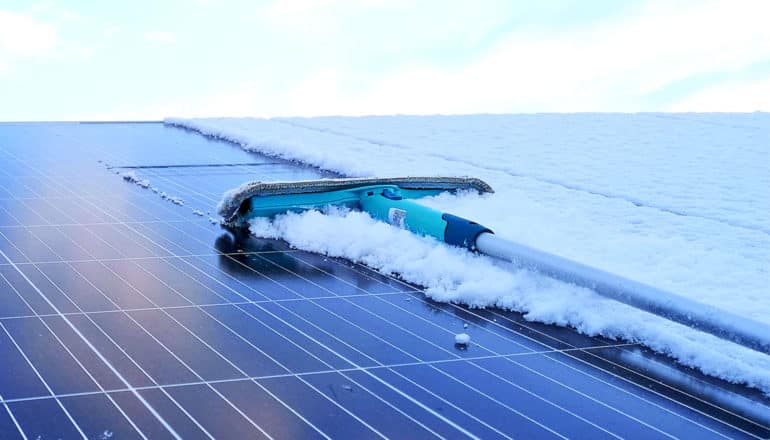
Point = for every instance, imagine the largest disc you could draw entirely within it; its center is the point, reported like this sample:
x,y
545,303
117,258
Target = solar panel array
x,y
125,316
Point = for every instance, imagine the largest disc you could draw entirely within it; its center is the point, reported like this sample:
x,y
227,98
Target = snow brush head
x,y
266,199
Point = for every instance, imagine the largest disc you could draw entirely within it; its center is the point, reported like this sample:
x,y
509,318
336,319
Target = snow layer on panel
x,y
678,201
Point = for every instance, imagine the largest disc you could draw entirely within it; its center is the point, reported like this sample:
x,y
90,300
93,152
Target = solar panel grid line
x,y
276,376
593,354
320,360
148,257
86,224
232,364
380,399
457,426
300,254
42,379
194,194
297,255
320,393
427,341
80,364
171,352
421,363
487,396
678,390
139,397
131,388
96,351
615,364
176,307
506,380
679,415
13,419
450,333
149,376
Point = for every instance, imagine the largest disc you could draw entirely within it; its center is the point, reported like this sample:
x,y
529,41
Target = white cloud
x,y
606,67
21,35
161,37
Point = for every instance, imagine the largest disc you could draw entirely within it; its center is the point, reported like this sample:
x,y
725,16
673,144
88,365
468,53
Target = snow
x,y
455,275
130,176
678,201
173,199
462,338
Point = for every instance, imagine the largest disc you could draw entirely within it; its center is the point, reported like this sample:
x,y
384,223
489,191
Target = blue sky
x,y
146,60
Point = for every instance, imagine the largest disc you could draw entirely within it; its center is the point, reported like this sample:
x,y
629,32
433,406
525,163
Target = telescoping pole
x,y
720,323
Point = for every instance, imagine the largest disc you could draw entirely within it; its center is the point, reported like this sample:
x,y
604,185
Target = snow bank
x,y
677,201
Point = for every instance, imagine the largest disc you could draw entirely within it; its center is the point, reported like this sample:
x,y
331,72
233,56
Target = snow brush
x,y
391,200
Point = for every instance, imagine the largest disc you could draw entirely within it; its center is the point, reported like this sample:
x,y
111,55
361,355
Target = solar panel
x,y
123,315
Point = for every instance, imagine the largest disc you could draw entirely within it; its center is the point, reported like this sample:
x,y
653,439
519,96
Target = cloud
x,y
23,36
611,66
161,37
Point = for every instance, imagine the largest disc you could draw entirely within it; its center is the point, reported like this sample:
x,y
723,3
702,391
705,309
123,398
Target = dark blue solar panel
x,y
123,315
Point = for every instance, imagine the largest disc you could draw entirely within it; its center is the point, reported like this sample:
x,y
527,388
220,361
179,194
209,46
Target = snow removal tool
x,y
392,200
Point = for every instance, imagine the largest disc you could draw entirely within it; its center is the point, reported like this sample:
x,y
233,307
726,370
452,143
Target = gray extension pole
x,y
725,325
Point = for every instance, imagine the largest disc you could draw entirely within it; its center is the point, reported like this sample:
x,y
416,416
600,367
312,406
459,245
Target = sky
x,y
145,60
